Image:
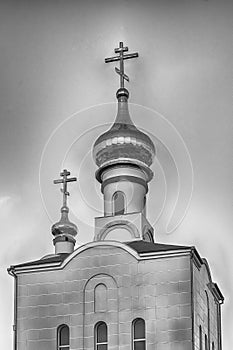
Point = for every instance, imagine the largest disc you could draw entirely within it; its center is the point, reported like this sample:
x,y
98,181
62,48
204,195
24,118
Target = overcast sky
x,y
57,96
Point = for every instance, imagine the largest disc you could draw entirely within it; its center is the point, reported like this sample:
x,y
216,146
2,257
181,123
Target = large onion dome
x,y
123,142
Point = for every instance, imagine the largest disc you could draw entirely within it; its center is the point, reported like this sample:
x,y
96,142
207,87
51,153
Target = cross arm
x,y
118,58
71,179
61,181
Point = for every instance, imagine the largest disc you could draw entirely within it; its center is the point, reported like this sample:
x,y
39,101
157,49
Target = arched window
x,y
200,338
212,345
139,336
101,336
63,337
118,203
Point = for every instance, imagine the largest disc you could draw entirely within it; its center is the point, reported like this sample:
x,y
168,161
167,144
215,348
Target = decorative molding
x,y
198,261
128,178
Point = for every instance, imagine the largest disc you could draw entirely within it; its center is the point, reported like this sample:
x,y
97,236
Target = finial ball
x,y
122,92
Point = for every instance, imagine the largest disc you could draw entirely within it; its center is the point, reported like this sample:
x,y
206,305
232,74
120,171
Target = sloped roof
x,y
139,246
150,247
56,258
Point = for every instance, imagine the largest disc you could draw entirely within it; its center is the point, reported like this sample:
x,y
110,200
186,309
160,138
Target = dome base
x,y
124,162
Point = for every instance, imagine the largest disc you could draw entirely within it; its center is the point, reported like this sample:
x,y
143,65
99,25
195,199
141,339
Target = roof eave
x,y
168,253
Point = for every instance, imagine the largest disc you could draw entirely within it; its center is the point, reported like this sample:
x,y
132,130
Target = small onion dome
x,y
64,227
123,142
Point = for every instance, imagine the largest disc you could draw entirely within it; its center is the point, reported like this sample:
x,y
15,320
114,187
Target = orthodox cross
x,y
121,57
64,174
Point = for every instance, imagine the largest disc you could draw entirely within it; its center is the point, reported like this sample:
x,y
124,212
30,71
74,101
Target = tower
x,y
122,290
123,155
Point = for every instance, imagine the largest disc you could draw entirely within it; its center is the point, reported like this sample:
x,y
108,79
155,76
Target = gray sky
x,y
52,67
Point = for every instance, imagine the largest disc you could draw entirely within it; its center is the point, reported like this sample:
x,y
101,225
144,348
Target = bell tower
x,y
123,155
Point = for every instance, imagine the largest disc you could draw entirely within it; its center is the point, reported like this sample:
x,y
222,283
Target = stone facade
x,y
206,305
157,289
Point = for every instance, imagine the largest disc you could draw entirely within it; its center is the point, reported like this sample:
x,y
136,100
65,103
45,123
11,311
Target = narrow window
x,y
200,338
206,342
118,203
101,336
63,337
212,345
139,338
208,320
144,204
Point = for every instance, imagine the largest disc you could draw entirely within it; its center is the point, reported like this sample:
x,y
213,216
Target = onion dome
x,y
123,142
64,227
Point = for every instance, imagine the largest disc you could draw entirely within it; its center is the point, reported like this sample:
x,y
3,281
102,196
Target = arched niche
x,y
97,310
118,228
100,298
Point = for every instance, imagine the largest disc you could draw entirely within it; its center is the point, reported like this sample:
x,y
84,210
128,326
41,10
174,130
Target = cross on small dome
x,y
64,230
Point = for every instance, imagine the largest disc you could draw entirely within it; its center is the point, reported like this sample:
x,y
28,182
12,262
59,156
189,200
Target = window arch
x,y
101,336
118,203
139,334
63,337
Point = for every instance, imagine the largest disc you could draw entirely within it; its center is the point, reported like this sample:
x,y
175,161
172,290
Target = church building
x,y
123,290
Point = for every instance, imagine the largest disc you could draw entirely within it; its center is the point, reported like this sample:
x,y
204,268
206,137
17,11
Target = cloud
x,y
4,200
7,203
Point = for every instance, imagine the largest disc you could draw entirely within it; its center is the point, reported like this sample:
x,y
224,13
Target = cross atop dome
x,y
120,50
123,142
64,230
64,181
